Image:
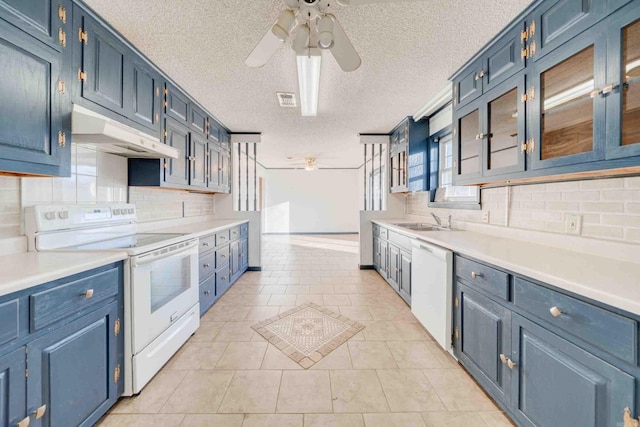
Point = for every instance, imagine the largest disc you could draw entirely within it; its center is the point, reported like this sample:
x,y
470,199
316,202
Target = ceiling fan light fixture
x,y
284,24
309,81
301,41
325,33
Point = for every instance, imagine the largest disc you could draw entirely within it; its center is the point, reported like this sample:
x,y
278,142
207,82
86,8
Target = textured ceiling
x,y
408,51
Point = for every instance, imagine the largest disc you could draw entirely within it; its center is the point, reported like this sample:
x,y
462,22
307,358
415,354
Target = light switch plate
x,y
485,217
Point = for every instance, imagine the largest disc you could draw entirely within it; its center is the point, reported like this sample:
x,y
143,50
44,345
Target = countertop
x,y
612,282
25,270
199,229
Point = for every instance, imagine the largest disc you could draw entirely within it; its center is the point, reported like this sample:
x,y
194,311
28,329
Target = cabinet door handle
x,y
503,358
207,266
39,413
205,244
207,292
595,93
24,423
223,256
88,293
475,275
511,364
608,89
555,311
224,277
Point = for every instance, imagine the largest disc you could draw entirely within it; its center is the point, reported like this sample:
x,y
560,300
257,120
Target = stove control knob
x,y
63,214
50,215
130,211
116,211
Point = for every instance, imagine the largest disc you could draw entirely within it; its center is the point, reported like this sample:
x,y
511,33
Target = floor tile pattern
x,y
308,332
391,373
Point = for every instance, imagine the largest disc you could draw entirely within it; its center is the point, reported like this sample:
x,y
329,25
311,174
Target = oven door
x,y
164,286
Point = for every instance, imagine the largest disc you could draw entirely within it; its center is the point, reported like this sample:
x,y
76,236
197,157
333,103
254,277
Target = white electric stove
x,y
161,277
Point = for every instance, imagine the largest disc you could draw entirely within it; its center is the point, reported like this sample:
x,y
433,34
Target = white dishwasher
x,y
431,290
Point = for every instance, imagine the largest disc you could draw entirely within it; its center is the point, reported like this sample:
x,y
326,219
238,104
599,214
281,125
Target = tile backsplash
x,y
609,208
96,177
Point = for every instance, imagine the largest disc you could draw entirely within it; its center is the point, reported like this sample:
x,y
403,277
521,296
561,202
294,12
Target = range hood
x,y
105,134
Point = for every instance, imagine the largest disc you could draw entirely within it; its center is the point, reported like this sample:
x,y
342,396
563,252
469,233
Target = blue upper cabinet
x,y
622,91
176,171
198,120
105,68
146,96
215,130
408,157
573,72
198,170
567,120
47,20
176,104
555,22
35,135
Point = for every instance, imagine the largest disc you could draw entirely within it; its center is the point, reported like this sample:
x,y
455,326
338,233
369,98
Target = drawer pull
x,y
511,363
475,275
39,413
224,277
205,244
88,293
503,358
555,311
24,423
206,265
223,256
207,292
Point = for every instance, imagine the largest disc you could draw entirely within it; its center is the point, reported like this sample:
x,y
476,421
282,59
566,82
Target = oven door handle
x,y
147,258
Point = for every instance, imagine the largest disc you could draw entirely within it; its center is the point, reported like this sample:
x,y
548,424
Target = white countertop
x,y
198,229
25,270
612,282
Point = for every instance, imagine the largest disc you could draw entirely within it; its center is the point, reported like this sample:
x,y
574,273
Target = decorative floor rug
x,y
308,332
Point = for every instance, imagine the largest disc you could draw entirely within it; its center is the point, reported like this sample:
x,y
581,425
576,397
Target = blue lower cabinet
x,y
12,388
244,254
74,371
483,340
555,383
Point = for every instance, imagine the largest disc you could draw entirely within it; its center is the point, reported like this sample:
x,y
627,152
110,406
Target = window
x,y
446,161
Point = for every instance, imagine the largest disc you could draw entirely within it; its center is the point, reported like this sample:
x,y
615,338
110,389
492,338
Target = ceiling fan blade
x,y
343,51
264,50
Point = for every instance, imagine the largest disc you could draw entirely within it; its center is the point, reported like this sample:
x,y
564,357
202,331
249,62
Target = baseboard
x,y
254,268
307,233
366,267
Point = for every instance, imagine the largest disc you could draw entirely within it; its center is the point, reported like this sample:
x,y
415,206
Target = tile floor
x,y
390,374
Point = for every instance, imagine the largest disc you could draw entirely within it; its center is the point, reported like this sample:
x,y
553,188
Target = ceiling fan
x,y
312,28
310,164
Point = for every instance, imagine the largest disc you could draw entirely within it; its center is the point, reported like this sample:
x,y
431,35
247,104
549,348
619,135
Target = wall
x,y
96,177
321,201
610,208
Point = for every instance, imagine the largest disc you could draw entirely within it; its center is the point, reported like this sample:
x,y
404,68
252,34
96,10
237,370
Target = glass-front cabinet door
x,y
623,85
567,109
468,137
505,147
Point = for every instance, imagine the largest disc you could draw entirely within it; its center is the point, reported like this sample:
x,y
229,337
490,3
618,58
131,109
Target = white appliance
x,y
160,284
104,134
431,290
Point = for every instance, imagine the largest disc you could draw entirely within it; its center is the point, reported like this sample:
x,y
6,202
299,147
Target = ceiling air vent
x,y
287,100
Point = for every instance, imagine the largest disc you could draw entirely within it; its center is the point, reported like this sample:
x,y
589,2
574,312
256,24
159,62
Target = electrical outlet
x,y
485,217
573,223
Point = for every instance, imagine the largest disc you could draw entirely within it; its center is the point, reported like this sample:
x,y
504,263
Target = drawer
x,y
206,265
382,233
9,321
608,331
222,280
207,243
222,256
222,238
399,240
481,276
234,233
69,298
244,230
207,294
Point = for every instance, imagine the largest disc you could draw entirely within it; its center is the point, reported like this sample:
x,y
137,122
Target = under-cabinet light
x,y
309,82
